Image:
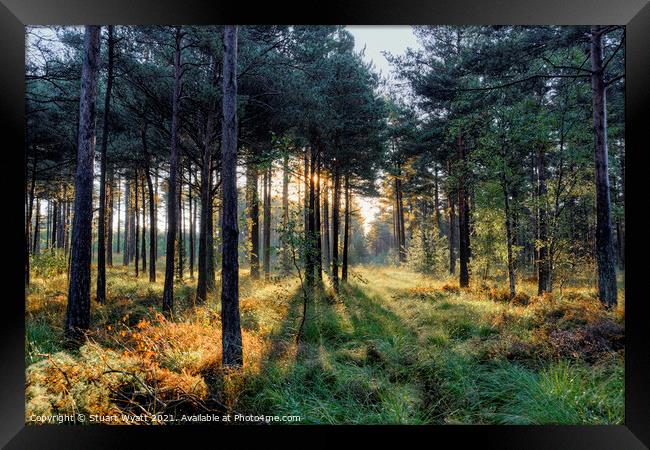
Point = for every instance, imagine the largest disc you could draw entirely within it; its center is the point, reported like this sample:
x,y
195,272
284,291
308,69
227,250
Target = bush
x,y
49,263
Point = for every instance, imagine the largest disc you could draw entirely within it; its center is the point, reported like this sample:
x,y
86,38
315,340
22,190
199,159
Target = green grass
x,y
395,347
380,355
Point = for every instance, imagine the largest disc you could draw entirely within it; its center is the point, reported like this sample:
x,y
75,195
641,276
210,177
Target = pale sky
x,y
376,39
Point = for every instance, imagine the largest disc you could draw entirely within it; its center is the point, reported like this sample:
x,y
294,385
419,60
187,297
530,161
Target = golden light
x,y
315,178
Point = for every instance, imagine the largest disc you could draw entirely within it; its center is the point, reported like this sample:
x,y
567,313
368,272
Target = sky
x,y
376,39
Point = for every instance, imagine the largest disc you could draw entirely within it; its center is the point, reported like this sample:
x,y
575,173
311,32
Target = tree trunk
x,y
191,220
436,202
67,228
36,244
254,216
463,216
119,216
168,291
205,226
101,222
620,223
285,212
346,230
127,217
180,252
78,308
399,220
511,264
335,229
543,272
267,224
55,218
30,208
152,209
310,236
535,214
604,242
144,229
61,224
306,208
109,217
230,321
47,224
326,225
132,223
396,225
137,224
210,265
317,222
205,229
195,219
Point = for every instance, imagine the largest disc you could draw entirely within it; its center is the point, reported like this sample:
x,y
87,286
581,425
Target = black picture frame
x,y
15,14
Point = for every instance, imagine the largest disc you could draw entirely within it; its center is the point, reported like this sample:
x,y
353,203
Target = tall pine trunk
x,y
310,237
508,220
346,230
180,242
267,224
210,256
144,228
254,216
306,206
604,241
47,224
286,263
55,219
119,216
317,220
436,201
336,201
191,220
230,321
205,225
127,217
326,225
152,208
543,269
36,245
110,211
78,308
402,230
206,219
136,214
168,291
463,215
101,223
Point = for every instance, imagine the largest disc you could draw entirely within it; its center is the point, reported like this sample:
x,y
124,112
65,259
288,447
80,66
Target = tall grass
x,y
395,347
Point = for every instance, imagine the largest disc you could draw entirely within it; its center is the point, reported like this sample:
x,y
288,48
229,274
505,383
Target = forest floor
x,y
394,347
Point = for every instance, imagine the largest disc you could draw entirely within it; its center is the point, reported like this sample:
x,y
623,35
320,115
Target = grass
x,y
395,347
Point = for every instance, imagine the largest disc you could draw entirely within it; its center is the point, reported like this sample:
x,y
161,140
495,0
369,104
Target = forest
x,y
256,222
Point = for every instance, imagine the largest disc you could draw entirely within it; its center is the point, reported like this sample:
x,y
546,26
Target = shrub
x,y
49,263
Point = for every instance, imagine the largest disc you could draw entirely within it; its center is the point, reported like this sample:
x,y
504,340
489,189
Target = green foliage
x,y
428,251
49,263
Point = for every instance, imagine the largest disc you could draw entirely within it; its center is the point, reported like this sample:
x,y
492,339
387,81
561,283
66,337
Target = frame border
x,y
635,14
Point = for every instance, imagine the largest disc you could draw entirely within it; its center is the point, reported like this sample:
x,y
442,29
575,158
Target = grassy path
x,y
402,348
396,347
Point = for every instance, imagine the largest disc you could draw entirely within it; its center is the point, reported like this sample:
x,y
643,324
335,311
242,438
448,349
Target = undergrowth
x,y
393,347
